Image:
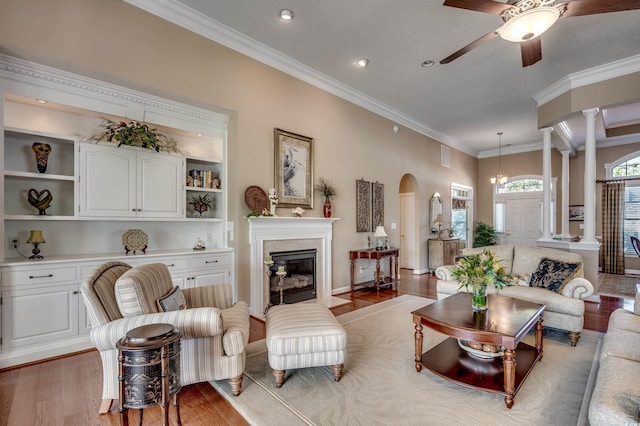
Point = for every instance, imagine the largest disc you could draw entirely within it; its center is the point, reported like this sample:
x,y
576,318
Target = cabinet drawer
x,y
173,263
38,276
212,260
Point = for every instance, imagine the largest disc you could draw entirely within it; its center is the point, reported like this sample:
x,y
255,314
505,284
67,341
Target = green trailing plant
x,y
325,188
484,235
134,133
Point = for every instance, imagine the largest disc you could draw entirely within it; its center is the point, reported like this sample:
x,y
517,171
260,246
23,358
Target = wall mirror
x,y
435,208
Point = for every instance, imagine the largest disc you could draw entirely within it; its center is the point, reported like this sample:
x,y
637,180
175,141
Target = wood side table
x,y
149,370
392,253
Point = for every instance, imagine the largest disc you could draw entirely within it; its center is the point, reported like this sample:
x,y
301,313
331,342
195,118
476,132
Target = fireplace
x,y
299,283
279,234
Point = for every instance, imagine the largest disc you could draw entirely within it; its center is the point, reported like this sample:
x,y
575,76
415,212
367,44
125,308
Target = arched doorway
x,y
409,235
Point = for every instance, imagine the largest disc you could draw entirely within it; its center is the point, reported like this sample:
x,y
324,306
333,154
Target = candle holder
x,y
281,275
268,264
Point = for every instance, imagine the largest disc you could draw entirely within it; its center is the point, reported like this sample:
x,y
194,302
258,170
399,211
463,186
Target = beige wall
x,y
119,43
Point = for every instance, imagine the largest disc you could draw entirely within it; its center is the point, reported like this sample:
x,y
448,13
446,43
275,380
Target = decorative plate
x,y
135,239
479,353
256,198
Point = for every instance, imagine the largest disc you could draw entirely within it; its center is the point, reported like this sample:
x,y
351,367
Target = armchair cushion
x,y
138,289
553,274
172,301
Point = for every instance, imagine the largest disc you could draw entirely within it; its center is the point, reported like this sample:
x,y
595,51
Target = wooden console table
x,y
392,253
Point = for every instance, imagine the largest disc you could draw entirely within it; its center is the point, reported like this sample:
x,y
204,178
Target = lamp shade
x,y
439,218
36,237
529,24
379,231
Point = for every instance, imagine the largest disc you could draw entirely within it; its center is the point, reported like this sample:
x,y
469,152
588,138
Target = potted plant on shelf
x,y
328,192
135,133
201,203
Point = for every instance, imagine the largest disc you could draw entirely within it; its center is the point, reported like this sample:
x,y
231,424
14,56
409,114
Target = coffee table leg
x,y
539,336
418,336
509,367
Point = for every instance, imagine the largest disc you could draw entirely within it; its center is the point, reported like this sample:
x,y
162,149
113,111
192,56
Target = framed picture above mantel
x,y
293,169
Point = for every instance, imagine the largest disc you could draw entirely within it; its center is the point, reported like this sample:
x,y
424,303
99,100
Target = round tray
x,y
256,199
478,353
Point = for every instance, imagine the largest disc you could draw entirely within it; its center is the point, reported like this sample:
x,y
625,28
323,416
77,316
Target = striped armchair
x,y
215,331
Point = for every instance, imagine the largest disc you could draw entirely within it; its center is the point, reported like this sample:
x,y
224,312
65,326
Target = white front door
x,y
523,221
408,230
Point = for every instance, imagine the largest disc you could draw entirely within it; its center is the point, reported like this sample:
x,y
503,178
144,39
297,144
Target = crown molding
x,y
590,76
192,20
511,149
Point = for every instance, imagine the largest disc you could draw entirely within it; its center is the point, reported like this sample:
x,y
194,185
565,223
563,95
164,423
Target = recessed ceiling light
x,y
286,14
362,62
428,63
41,101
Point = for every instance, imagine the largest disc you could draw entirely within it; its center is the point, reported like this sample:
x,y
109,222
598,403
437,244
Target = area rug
x,y
617,285
380,385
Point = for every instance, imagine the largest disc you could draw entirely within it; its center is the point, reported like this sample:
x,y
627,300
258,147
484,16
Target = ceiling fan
x,y
525,20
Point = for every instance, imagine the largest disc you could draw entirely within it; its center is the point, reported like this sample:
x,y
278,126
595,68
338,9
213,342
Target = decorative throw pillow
x,y
172,301
554,274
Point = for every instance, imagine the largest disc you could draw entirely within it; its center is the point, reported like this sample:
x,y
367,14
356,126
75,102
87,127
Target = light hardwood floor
x,y
66,391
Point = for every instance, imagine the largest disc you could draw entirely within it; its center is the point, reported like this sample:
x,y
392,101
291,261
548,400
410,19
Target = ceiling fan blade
x,y
531,51
485,6
593,7
469,47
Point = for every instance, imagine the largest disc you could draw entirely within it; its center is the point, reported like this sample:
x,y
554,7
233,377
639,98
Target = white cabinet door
x,y
212,278
123,182
107,181
160,185
39,315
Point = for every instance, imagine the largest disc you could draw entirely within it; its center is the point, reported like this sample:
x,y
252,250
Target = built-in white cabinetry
x,y
98,192
129,182
43,312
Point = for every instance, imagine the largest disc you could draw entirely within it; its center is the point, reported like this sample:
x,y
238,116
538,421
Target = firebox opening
x,y
299,284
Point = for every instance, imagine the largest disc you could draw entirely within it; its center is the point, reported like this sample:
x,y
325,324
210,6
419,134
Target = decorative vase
x,y
326,209
479,298
200,209
41,151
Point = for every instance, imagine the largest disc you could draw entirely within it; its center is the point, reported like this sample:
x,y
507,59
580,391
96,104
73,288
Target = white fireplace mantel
x,y
263,229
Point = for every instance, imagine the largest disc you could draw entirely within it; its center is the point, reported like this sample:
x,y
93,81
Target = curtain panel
x,y
612,249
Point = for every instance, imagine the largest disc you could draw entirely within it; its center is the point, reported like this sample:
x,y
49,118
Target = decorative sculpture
x,y
273,201
41,200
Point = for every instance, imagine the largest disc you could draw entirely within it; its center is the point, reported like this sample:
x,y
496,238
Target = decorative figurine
x,y
41,200
273,201
297,211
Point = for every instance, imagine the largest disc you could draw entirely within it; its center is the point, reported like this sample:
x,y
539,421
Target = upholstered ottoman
x,y
304,335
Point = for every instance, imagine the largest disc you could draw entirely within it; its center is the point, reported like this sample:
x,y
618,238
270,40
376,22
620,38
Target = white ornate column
x,y
565,194
546,184
590,178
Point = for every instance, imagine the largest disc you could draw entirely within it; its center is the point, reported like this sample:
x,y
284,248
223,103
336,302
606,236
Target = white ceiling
x,y
463,104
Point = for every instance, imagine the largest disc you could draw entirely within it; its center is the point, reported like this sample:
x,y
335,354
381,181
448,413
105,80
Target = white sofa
x,y
564,310
616,396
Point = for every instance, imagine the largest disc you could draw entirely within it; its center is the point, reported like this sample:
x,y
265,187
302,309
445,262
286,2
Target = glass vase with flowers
x,y
477,271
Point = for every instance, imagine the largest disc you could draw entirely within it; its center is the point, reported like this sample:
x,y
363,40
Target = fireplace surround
x,y
274,234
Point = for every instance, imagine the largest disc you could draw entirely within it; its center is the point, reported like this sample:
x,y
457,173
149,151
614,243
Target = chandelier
x,y
499,179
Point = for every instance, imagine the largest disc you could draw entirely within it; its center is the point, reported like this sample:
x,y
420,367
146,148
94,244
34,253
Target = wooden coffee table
x,y
505,323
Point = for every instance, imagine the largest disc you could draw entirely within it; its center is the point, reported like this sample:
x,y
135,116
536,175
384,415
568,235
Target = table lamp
x,y
439,220
380,236
36,239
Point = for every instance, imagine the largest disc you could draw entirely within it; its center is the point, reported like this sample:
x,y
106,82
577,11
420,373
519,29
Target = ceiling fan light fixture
x,y
529,24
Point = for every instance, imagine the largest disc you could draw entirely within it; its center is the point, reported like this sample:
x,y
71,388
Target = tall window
x,y
461,200
629,166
